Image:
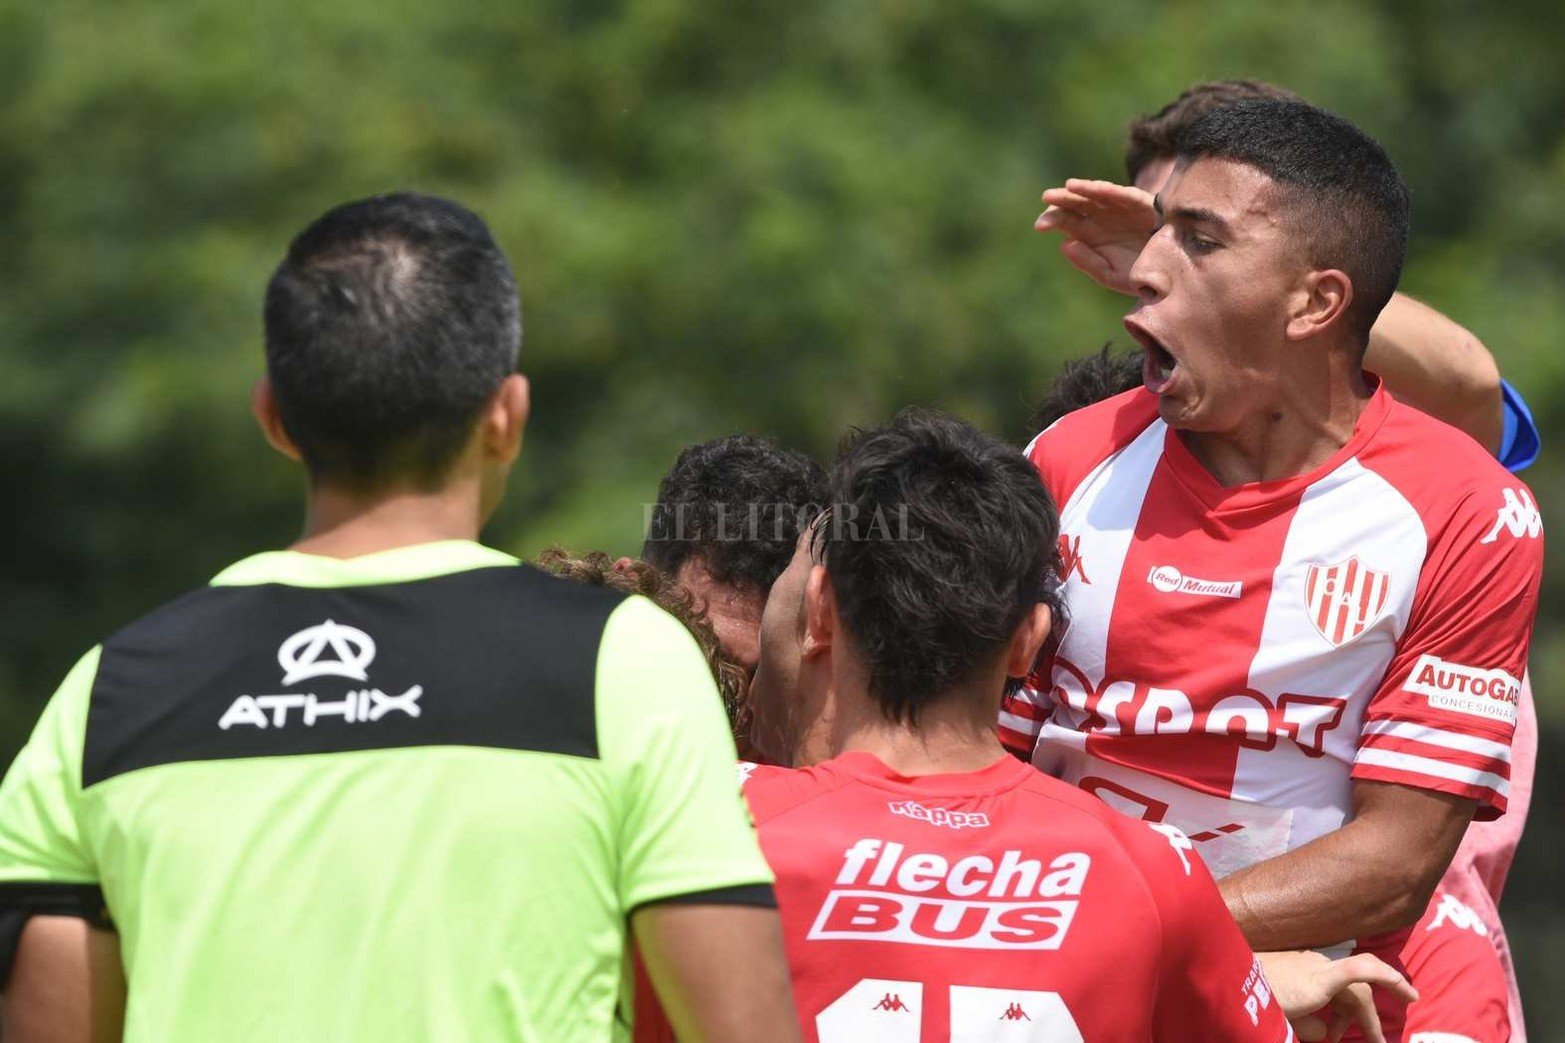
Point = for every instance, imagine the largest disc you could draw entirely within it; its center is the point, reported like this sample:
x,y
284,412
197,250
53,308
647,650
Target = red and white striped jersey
x,y
1236,657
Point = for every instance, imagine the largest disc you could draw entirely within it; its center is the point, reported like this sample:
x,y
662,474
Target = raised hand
x,y
1105,226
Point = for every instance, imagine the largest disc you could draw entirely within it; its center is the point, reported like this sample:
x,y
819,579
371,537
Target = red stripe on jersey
x,y
1152,625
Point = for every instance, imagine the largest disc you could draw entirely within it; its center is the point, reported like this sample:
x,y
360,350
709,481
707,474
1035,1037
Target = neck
x,y
341,524
955,733
1298,430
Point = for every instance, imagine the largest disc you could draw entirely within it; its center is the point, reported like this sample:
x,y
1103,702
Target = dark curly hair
x,y
1086,380
938,541
639,577
737,505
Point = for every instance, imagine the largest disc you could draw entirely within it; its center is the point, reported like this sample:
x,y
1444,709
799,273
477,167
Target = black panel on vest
x,y
500,657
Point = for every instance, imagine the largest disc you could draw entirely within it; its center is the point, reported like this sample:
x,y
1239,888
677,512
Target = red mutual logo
x,y
1345,599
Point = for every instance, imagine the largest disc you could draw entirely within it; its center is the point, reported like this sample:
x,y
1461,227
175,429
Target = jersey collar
x,y
1004,773
399,565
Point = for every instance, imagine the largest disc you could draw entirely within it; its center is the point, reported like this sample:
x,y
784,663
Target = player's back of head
x,y
1088,380
736,506
1347,206
939,541
389,323
1157,135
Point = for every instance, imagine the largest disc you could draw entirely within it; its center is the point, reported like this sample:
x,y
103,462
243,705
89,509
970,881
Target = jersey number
x,y
878,1010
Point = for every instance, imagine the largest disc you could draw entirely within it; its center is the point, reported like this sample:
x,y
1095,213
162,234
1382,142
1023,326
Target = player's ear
x,y
820,613
1030,635
504,418
1321,301
263,405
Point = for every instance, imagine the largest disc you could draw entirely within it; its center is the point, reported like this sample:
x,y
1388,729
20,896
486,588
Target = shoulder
x,y
1078,442
1443,473
773,792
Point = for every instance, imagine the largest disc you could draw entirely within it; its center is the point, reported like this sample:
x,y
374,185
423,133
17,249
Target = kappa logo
x,y
1344,600
1070,559
939,816
1459,915
328,649
1518,515
893,1002
1014,1013
1166,579
1177,840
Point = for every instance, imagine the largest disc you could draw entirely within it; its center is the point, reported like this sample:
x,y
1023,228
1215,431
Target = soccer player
x,y
931,887
1463,992
388,784
1299,609
725,523
1423,357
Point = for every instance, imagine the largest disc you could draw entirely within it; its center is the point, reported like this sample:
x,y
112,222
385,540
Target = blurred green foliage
x,y
784,217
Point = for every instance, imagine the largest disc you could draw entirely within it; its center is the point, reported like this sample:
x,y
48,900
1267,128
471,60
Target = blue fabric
x,y
1521,443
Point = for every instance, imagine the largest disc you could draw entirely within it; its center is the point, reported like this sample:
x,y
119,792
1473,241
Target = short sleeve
x,y
43,858
1207,974
665,741
1446,710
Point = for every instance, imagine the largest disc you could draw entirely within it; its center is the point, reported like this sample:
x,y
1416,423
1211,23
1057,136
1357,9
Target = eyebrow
x,y
1201,215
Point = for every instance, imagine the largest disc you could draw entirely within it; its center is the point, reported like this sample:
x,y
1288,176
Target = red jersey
x,y
1463,995
1237,657
996,905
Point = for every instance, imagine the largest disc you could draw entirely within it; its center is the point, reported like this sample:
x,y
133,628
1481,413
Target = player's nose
x,y
1148,275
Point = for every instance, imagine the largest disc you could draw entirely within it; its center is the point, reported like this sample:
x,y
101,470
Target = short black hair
x,y
389,324
1087,380
1353,209
938,542
1157,135
736,505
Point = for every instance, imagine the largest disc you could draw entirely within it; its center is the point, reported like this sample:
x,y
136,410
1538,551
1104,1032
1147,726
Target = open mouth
x,y
1158,365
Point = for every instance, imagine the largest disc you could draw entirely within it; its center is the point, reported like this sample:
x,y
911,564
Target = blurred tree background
x,y
781,217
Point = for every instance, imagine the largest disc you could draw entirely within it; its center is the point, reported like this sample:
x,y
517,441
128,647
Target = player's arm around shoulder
x,y
690,873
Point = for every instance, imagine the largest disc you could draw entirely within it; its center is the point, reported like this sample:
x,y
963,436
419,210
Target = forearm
x,y
67,985
1344,885
1433,364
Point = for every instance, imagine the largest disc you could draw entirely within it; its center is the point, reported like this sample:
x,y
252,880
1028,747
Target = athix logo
x,y
886,894
1518,515
327,650
1465,689
1168,580
352,651
892,1001
939,816
1014,1013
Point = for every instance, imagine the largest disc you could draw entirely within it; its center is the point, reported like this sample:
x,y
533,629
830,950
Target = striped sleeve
x,y
1445,712
1022,716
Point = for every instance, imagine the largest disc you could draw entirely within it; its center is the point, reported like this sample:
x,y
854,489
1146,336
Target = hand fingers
x,y
1310,1029
1108,194
1372,970
1087,260
1355,1005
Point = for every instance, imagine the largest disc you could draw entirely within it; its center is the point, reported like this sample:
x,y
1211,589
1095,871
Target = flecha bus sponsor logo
x,y
1465,689
885,893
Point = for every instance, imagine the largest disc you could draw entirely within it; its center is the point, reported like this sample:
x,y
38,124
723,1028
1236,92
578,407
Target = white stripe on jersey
x,y
1377,758
1440,737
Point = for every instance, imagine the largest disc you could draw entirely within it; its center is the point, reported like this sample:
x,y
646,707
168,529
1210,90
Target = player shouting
x,y
931,887
1299,609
